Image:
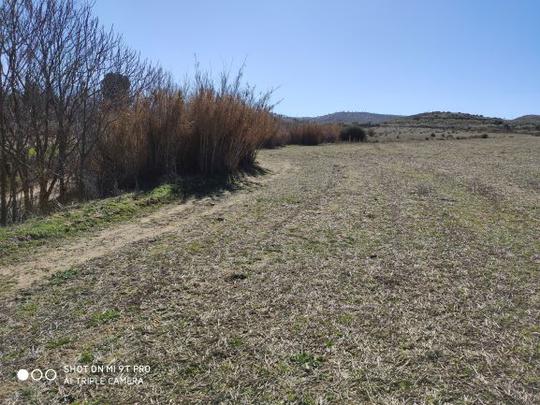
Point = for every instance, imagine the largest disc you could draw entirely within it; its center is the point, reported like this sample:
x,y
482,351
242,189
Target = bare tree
x,y
53,57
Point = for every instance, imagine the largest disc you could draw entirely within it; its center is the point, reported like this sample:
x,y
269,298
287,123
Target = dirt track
x,y
46,261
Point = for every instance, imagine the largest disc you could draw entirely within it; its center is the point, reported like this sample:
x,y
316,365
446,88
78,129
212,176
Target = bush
x,y
306,134
331,133
302,133
278,138
102,119
353,134
226,130
209,131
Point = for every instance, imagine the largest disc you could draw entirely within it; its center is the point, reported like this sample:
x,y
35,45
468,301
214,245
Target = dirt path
x,y
47,261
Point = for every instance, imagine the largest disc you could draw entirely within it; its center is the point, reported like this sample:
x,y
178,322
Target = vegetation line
x,y
84,116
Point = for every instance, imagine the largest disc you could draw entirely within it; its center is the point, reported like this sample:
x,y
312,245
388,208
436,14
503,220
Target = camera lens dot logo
x,y
50,374
36,374
23,374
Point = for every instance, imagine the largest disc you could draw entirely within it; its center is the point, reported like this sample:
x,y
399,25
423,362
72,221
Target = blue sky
x,y
384,56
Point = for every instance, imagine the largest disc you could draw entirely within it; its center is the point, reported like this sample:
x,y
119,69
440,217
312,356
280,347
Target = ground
x,y
391,273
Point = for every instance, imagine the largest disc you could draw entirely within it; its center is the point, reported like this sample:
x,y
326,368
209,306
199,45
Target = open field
x,y
389,133
391,273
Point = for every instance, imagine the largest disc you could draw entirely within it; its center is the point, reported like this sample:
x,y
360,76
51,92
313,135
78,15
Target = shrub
x,y
277,138
302,133
210,130
102,119
331,133
143,143
353,134
227,128
306,134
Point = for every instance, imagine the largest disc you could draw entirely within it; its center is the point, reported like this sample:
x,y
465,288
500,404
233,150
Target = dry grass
x,y
211,130
366,273
308,133
394,132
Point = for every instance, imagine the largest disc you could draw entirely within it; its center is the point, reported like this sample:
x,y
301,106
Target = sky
x,y
381,56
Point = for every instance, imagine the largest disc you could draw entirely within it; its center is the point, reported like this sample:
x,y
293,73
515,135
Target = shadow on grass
x,y
198,186
95,214
215,186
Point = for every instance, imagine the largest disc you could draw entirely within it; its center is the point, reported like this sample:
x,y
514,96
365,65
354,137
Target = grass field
x,y
390,273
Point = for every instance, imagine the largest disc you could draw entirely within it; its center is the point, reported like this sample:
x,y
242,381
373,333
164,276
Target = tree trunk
x,y
3,189
62,150
26,188
13,189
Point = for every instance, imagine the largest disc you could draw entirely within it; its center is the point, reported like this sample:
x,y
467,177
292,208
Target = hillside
x,y
527,119
451,120
348,117
438,120
447,117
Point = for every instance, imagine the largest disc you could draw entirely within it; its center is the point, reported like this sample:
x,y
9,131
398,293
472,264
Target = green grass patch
x,y
28,309
80,218
306,360
236,342
195,247
86,357
108,315
56,343
63,276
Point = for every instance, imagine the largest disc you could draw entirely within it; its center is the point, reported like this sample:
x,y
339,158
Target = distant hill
x,y
447,119
434,116
348,117
527,119
448,115
433,119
